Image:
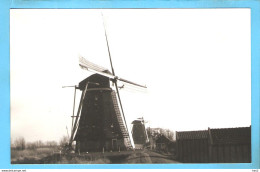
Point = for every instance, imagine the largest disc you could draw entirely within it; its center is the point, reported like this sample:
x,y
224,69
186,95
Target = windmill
x,y
100,123
139,133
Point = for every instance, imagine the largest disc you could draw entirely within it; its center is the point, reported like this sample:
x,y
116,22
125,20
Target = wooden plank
x,y
190,150
184,151
203,151
220,154
206,150
233,154
214,154
226,153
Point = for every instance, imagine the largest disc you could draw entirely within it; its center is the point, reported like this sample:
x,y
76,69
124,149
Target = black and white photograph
x,y
130,86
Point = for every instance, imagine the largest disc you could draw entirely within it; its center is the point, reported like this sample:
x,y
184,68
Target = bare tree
x,y
39,144
64,141
31,145
19,143
51,143
12,144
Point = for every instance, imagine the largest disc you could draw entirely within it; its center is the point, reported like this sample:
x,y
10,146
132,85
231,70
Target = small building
x,y
231,145
164,144
192,146
225,145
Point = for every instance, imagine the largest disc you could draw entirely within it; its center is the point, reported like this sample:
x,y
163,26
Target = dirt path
x,y
139,158
148,157
159,158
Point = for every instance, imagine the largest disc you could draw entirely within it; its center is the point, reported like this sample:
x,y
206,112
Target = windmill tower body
x,y
100,126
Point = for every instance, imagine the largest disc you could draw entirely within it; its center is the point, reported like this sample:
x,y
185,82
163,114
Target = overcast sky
x,y
195,63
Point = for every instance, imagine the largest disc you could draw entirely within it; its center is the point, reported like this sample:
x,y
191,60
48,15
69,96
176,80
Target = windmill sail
x,y
85,64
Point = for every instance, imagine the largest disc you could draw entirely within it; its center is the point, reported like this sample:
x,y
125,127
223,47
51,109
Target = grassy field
x,y
53,156
31,155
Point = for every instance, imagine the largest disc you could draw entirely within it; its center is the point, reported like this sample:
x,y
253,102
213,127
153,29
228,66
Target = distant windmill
x,y
100,123
139,133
